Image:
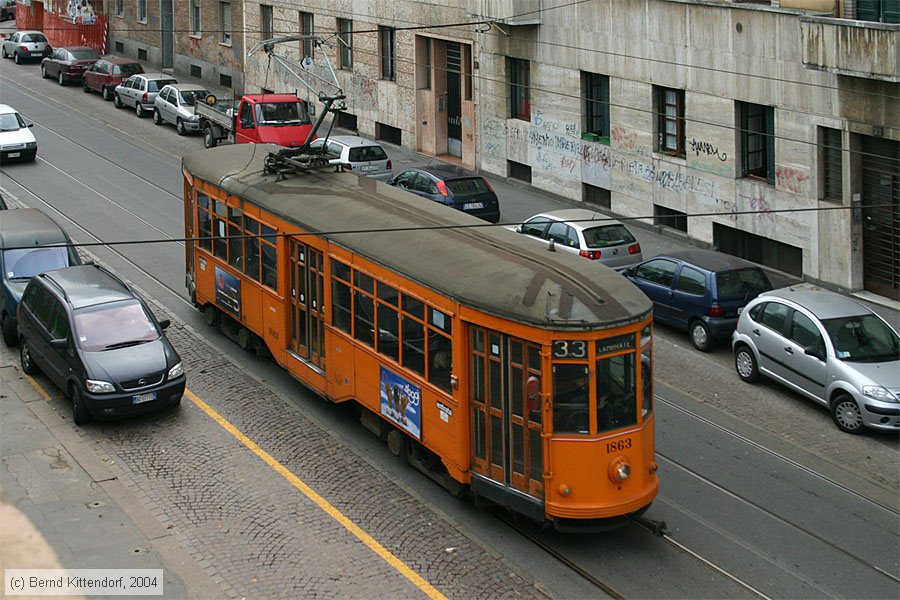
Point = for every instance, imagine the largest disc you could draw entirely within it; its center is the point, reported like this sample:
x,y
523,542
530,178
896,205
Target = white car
x,y
26,45
16,139
589,234
175,104
357,154
139,92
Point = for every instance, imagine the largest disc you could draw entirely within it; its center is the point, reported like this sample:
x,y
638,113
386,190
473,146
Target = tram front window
x,y
571,394
616,392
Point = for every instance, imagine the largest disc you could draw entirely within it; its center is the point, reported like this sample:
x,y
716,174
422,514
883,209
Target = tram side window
x,y
413,353
341,309
251,248
364,318
220,230
388,324
616,392
571,394
440,360
647,371
269,258
204,221
235,238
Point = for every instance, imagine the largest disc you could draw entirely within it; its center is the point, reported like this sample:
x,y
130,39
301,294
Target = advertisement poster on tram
x,y
228,291
401,402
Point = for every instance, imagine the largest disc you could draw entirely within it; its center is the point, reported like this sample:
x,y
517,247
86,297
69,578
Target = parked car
x,y
175,104
104,75
7,10
139,92
99,342
586,233
24,235
26,46
16,140
828,348
453,186
699,291
357,155
68,64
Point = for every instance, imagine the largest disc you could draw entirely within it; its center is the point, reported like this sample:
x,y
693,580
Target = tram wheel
x,y
396,442
245,338
211,315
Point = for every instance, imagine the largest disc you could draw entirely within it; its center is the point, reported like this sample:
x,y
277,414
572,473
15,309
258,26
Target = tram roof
x,y
483,266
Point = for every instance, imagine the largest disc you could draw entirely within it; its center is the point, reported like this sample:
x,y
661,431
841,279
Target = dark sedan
x,y
69,64
453,186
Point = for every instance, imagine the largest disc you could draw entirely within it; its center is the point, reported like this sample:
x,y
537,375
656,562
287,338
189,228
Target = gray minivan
x,y
24,236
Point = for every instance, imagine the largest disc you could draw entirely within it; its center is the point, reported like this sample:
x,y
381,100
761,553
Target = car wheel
x,y
84,85
209,140
846,414
9,335
700,336
139,109
28,366
157,118
107,93
44,72
16,58
5,55
61,79
117,100
745,364
179,127
80,414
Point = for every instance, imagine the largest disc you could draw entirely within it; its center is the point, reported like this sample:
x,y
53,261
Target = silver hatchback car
x,y
175,104
26,46
587,233
139,92
827,347
357,155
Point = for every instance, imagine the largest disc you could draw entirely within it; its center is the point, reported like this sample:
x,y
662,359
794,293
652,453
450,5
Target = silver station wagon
x,y
828,348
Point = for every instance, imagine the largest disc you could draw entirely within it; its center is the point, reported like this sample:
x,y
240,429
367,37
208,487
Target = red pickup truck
x,y
281,119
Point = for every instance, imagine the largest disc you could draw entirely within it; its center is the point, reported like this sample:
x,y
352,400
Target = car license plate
x,y
473,205
140,399
369,168
14,154
37,53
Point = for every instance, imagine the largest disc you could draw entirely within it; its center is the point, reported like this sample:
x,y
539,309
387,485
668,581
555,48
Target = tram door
x,y
307,295
506,419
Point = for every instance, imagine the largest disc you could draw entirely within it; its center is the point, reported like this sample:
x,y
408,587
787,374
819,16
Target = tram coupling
x,y
657,528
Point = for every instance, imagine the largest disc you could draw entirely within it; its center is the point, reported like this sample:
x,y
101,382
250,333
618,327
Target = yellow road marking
x,y
307,491
38,387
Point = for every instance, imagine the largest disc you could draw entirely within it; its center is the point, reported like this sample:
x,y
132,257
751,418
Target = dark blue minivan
x,y
699,291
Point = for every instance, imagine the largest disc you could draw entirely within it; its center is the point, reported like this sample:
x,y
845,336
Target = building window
x,y
345,44
758,249
831,161
225,22
595,91
518,74
142,11
387,44
120,47
757,127
142,54
120,8
307,47
224,80
196,71
598,196
266,22
195,18
669,217
669,120
517,170
388,133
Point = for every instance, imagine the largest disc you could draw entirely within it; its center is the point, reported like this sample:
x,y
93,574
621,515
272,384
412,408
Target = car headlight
x,y
30,145
193,118
98,387
877,392
176,371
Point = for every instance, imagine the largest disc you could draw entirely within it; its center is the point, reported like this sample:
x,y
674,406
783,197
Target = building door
x,y
506,411
454,99
881,216
167,29
307,295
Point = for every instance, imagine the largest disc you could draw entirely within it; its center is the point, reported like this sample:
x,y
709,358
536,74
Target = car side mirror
x,y
815,352
61,343
164,323
518,228
628,271
30,125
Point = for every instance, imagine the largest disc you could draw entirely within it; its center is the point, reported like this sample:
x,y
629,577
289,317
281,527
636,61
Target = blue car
x,y
23,236
699,291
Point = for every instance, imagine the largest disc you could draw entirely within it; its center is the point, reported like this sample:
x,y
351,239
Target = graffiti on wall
x,y
699,147
791,179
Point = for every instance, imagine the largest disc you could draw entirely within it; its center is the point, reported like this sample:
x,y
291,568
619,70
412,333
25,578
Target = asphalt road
x,y
755,480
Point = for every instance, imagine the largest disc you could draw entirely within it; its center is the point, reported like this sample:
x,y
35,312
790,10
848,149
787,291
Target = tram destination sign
x,y
617,344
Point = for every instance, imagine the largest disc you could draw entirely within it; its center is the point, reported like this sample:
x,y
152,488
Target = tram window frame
x,y
269,251
204,221
613,409
220,229
571,399
235,238
646,372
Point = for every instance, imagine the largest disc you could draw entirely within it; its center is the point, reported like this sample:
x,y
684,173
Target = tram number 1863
x,y
618,445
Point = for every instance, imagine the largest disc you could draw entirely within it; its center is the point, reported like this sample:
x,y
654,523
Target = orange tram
x,y
520,375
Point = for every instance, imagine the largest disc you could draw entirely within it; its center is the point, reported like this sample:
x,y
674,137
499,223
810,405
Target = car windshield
x,y
367,153
189,98
34,38
607,235
154,85
11,122
742,283
863,338
85,54
281,113
24,263
113,325
467,187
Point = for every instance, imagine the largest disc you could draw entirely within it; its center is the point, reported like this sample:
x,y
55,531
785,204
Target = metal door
x,y
167,32
307,295
454,99
506,411
881,216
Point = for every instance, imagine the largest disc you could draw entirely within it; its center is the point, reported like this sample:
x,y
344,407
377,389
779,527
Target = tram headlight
x,y
619,470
